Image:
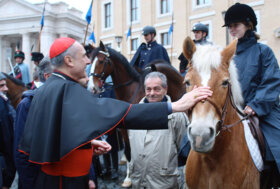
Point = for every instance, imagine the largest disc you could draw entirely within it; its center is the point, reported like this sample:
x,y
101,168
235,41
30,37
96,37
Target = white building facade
x,y
20,23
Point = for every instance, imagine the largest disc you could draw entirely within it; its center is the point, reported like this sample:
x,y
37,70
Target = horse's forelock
x,y
207,57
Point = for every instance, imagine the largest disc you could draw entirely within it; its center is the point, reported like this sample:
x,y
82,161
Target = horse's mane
x,y
118,57
14,80
207,57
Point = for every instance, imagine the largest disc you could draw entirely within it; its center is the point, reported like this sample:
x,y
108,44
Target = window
x,y
107,18
202,2
134,44
164,6
133,10
165,39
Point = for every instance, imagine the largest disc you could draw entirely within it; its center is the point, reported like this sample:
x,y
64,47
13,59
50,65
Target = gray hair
x,y
157,75
59,59
44,67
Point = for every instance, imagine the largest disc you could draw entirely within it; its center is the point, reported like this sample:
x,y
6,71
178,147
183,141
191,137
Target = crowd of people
x,y
52,136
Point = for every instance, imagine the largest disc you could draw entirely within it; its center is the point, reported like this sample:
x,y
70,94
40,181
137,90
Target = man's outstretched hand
x,y
191,98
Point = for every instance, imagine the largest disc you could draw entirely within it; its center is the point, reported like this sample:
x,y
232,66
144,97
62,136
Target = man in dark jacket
x,y
7,167
200,34
149,52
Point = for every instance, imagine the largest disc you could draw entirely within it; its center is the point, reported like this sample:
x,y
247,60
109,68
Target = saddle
x,y
253,122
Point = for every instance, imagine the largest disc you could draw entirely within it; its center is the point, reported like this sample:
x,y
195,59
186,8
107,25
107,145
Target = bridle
x,y
101,76
107,61
222,114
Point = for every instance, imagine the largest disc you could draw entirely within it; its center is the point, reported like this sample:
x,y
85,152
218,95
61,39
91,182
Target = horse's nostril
x,y
211,132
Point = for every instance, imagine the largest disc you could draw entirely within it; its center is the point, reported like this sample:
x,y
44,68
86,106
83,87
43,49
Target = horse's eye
x,y
225,83
187,82
101,62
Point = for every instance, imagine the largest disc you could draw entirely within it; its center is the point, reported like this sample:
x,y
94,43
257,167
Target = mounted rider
x,y
200,38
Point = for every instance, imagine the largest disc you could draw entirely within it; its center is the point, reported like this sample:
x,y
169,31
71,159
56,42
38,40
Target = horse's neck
x,y
129,92
229,141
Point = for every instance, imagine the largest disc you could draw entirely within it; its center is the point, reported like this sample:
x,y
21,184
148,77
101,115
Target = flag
x,y
128,33
170,29
92,37
43,16
88,15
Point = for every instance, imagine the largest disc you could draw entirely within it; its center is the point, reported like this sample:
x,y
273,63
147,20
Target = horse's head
x,y
209,66
102,67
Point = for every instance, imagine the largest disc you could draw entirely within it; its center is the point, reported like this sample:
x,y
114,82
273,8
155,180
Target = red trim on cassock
x,y
44,163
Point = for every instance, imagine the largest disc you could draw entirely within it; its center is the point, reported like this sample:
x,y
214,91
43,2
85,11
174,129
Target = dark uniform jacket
x,y
7,167
64,117
27,171
259,76
147,53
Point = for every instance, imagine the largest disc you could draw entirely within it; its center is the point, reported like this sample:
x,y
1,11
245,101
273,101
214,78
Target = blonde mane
x,y
208,57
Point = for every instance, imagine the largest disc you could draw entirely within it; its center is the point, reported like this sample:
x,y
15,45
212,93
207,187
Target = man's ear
x,y
68,60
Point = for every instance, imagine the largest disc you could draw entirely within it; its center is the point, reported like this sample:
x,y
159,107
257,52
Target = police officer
x,y
36,57
200,33
21,69
149,51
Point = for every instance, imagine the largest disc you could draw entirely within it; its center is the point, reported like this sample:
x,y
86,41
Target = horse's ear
x,y
188,48
102,46
228,52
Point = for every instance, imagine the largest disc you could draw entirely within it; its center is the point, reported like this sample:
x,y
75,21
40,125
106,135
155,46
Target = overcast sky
x,y
82,5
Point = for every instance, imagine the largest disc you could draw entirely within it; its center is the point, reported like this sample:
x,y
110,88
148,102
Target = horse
x,y
15,89
129,83
219,156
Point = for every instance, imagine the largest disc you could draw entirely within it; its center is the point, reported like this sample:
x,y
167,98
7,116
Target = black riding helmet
x,y
200,27
149,30
240,13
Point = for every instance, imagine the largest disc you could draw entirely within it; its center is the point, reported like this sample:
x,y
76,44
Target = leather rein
x,y
221,123
101,77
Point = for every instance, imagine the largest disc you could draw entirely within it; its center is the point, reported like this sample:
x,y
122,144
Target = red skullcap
x,y
60,45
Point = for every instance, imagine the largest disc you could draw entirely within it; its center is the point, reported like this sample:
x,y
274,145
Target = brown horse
x,y
219,157
128,83
15,90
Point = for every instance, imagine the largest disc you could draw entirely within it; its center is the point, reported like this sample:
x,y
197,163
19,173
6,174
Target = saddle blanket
x,y
253,147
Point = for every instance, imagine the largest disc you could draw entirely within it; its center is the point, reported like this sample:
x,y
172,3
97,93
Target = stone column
x,y
47,39
26,48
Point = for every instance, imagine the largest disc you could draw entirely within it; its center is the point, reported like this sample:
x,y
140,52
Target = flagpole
x,y
88,22
130,40
85,35
41,28
172,38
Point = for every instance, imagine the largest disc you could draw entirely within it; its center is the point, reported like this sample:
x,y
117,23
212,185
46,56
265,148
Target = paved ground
x,y
113,184
107,183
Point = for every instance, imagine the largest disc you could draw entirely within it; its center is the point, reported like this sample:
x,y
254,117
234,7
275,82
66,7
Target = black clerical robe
x,y
64,117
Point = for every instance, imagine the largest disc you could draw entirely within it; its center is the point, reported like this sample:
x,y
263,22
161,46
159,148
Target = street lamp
x,y
118,41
